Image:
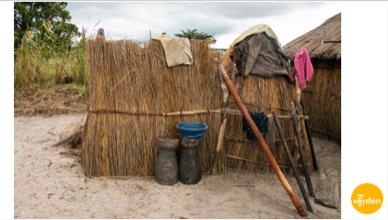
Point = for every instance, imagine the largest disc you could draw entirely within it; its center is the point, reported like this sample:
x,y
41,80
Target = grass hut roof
x,y
323,42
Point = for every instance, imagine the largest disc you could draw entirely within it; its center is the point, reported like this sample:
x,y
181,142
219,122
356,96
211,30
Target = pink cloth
x,y
303,68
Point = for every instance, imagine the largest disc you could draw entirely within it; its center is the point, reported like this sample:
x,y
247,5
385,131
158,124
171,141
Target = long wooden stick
x,y
220,144
293,166
186,113
315,161
299,145
294,198
314,155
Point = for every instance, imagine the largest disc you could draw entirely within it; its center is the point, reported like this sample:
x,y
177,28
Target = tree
x,y
194,34
45,22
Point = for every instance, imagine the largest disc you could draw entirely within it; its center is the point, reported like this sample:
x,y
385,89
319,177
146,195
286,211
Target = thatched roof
x,y
323,42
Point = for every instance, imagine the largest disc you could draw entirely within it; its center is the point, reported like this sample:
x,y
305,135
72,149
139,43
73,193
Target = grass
x,y
35,67
50,82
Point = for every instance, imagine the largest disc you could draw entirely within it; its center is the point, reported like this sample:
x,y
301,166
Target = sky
x,y
224,20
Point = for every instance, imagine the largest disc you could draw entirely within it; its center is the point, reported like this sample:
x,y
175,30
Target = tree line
x,y
48,24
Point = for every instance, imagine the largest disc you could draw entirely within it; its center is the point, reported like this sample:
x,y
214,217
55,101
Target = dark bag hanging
x,y
261,121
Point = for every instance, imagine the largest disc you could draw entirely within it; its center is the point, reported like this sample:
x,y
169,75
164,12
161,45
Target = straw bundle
x,y
263,95
131,92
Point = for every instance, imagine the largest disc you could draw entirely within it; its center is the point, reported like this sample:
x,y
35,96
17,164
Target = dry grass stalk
x,y
49,101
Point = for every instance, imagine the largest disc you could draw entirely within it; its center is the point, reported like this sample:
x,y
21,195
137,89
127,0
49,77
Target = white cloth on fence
x,y
176,50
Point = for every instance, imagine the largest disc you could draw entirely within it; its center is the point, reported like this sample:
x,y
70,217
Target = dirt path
x,y
51,185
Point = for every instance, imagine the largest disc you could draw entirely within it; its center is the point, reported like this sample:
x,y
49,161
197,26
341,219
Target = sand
x,y
49,184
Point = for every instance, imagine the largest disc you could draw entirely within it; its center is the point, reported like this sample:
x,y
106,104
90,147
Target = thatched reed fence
x,y
263,95
131,92
135,98
322,99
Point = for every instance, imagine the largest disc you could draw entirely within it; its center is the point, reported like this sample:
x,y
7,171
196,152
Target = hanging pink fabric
x,y
303,68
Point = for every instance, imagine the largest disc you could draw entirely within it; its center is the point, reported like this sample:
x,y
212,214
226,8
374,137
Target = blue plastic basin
x,y
193,130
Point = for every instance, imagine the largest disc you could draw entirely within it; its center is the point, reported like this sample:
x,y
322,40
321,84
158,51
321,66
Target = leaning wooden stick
x,y
300,146
294,198
313,154
293,166
220,144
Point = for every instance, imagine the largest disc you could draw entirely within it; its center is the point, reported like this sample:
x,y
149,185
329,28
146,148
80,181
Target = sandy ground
x,y
49,184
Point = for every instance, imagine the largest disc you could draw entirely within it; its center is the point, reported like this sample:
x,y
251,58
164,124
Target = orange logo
x,y
367,198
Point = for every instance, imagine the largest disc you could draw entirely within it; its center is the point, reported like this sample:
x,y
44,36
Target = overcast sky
x,y
224,20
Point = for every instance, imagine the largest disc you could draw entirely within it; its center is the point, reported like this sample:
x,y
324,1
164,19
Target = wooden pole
x,y
101,32
220,144
293,166
300,148
298,89
294,198
315,161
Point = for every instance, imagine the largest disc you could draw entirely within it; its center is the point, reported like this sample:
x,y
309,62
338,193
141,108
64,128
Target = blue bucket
x,y
192,130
